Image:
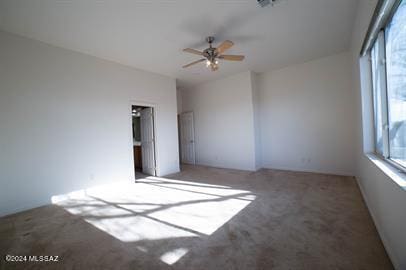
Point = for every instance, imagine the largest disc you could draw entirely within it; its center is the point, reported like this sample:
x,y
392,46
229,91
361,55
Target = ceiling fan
x,y
212,54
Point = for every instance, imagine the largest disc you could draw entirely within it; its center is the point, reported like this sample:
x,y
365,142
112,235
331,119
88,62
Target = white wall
x,y
65,121
385,199
307,116
224,123
256,100
179,100
297,118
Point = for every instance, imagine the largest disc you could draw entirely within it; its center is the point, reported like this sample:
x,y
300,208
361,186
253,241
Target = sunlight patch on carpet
x,y
156,208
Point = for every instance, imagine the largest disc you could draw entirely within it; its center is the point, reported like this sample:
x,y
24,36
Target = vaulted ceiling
x,y
150,34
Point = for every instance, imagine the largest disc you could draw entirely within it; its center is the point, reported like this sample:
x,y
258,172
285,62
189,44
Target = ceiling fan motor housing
x,y
210,53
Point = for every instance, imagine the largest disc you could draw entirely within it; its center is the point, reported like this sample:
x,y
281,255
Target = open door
x,y
147,141
187,138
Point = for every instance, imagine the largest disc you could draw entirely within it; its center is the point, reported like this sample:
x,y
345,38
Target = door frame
x,y
154,109
194,136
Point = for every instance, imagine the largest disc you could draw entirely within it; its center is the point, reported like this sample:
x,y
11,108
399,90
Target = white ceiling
x,y
150,34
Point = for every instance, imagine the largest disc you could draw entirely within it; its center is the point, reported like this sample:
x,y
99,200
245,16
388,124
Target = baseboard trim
x,y
270,167
384,240
25,207
226,167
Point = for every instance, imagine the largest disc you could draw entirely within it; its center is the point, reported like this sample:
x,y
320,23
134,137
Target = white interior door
x,y
187,138
147,141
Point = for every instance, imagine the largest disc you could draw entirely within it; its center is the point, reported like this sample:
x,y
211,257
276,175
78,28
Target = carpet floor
x,y
200,218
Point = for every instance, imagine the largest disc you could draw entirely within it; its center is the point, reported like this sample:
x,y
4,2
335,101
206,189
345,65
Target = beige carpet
x,y
202,218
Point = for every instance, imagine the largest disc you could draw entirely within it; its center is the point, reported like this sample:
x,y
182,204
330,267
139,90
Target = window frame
x,y
381,37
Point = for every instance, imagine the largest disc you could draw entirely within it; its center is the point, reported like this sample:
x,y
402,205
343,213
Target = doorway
x,y
187,138
143,139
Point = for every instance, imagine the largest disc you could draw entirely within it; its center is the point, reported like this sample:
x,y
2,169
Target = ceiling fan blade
x,y
195,62
224,46
230,57
189,50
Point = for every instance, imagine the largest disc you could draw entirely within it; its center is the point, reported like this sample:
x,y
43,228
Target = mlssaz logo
x,y
35,258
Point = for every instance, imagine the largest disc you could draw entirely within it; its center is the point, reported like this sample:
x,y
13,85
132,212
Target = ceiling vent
x,y
264,3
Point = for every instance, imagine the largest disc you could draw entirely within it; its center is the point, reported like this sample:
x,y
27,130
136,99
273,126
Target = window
x,y
379,93
388,66
396,84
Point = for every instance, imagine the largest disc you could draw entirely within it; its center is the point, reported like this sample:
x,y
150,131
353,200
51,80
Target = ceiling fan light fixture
x,y
212,54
